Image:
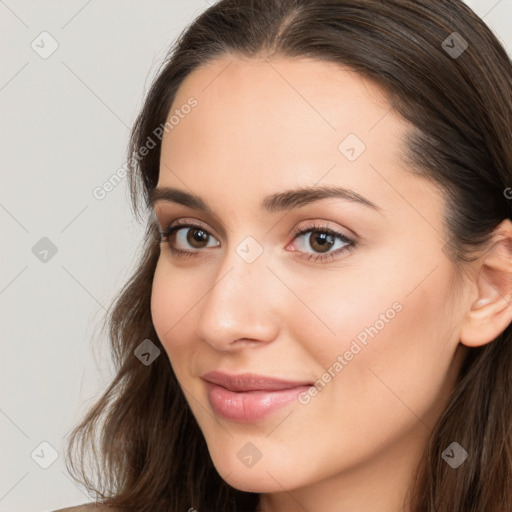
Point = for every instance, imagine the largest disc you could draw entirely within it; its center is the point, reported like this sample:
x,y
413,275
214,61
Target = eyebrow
x,y
281,201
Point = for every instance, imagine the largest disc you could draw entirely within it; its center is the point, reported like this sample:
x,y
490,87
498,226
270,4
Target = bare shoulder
x,y
86,507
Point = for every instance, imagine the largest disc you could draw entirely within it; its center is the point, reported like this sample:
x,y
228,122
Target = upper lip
x,y
250,382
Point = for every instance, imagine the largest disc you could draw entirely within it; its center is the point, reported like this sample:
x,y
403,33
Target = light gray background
x,y
64,125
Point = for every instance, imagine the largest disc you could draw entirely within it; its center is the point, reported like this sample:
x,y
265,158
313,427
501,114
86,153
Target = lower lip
x,y
249,406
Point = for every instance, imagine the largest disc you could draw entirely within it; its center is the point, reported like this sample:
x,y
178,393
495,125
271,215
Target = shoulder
x,y
86,507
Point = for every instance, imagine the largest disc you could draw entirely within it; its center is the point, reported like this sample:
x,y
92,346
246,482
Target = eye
x,y
186,239
183,236
322,239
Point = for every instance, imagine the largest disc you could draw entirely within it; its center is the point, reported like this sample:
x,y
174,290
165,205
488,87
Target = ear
x,y
491,312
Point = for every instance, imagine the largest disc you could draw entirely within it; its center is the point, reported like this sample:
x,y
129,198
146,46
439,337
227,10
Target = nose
x,y
241,306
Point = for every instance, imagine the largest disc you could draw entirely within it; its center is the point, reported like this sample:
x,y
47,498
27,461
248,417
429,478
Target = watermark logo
x,y
455,45
44,455
146,352
44,250
44,45
249,455
454,455
249,249
352,147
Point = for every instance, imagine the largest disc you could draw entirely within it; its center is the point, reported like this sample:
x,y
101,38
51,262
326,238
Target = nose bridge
x,y
243,268
240,302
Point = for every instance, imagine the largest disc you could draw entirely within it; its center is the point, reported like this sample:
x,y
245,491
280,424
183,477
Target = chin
x,y
247,481
263,477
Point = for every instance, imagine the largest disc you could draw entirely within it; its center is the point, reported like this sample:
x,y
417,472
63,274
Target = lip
x,y
249,397
251,382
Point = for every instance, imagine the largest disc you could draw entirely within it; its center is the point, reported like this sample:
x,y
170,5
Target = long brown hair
x,y
139,447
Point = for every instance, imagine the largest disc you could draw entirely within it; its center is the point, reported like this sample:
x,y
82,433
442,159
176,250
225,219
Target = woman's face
x,y
373,322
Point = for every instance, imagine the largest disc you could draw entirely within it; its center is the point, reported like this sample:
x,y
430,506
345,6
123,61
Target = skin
x,y
262,127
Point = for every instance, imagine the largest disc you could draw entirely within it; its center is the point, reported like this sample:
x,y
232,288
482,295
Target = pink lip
x,y
249,397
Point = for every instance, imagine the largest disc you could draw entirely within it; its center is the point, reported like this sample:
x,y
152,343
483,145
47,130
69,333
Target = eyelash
x,y
350,244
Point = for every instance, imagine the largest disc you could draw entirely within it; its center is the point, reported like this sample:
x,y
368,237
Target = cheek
x,y
173,297
383,333
390,357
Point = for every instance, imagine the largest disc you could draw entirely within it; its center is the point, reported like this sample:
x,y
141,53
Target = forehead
x,y
306,96
262,126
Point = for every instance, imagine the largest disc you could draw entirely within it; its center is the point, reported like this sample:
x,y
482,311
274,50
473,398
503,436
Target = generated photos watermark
x,y
356,346
101,191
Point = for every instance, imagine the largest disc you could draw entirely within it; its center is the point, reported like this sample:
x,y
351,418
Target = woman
x,y
320,319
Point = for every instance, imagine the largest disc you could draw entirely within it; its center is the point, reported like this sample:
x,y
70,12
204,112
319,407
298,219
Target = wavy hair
x,y
139,447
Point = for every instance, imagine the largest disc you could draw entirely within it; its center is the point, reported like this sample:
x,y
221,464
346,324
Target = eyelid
x,y
181,223
322,224
185,222
165,215
350,242
297,230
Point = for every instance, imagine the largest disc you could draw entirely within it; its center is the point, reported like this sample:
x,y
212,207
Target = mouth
x,y
246,398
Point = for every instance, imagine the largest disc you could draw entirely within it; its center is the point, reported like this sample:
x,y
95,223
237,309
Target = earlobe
x,y
491,312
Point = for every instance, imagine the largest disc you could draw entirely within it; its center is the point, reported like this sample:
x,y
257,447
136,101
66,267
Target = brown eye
x,y
196,237
321,241
188,238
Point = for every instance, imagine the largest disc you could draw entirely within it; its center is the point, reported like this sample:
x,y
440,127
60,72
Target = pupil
x,y
324,240
196,236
